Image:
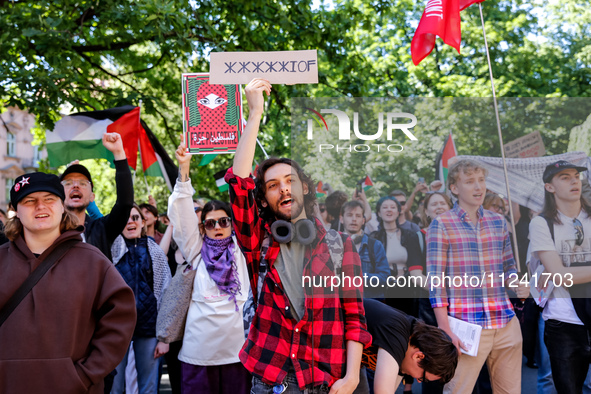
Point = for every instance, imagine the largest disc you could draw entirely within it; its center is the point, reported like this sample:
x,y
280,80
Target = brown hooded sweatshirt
x,y
72,329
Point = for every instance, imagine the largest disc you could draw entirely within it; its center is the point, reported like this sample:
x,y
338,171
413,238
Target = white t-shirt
x,y
559,306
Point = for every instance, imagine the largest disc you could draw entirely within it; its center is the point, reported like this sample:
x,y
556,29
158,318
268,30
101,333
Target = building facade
x,y
18,155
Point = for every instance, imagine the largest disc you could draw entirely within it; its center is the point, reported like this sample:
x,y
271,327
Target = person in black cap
x,y
74,326
560,239
79,188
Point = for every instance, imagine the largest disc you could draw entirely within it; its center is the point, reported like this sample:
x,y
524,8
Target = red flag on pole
x,y
440,18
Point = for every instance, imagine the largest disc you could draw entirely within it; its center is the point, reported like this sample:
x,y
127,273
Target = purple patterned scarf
x,y
218,255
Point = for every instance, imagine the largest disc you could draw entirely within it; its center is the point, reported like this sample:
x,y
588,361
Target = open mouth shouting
x,y
42,216
75,196
286,203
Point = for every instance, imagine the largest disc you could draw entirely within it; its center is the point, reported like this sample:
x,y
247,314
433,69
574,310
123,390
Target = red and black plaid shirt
x,y
276,340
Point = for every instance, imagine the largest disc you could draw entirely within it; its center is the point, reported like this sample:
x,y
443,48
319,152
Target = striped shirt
x,y
471,261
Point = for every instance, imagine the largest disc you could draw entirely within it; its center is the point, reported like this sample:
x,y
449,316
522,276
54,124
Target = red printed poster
x,y
212,115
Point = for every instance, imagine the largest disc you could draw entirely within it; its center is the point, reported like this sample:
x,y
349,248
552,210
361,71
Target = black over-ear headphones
x,y
302,232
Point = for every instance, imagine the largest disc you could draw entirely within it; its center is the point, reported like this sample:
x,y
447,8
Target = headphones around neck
x,y
303,232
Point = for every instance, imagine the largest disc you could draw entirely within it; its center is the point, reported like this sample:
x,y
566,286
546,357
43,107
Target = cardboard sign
x,y
212,115
530,145
284,67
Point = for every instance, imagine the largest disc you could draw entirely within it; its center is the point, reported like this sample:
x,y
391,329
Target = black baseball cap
x,y
556,167
35,182
78,169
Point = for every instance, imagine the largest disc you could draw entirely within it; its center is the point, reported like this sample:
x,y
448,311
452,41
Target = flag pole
x,y
263,149
492,82
140,150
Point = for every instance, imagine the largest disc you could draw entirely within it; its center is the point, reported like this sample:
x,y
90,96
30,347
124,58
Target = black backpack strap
x,y
35,277
550,226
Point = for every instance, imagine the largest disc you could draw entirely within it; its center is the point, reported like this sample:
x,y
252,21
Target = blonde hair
x,y
14,226
465,166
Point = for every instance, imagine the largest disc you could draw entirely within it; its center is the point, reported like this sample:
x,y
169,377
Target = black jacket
x,y
3,238
410,241
103,231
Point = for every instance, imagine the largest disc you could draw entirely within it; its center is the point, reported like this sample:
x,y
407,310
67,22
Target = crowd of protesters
x,y
81,294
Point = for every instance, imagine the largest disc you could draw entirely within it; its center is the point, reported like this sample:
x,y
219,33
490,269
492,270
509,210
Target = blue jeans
x,y
545,381
147,368
568,347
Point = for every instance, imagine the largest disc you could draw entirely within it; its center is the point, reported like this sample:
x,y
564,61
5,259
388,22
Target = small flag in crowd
x,y
206,159
220,182
440,18
448,150
79,137
366,183
319,191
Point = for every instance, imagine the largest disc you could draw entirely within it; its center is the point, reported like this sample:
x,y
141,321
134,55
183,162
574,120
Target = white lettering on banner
x,y
434,8
345,125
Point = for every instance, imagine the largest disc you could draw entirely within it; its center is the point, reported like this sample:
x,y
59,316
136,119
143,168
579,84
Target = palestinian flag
x,y
366,183
206,159
448,150
319,191
79,137
220,182
155,160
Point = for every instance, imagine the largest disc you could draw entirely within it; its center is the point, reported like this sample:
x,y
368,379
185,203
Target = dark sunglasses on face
x,y
322,210
210,224
579,234
424,378
135,218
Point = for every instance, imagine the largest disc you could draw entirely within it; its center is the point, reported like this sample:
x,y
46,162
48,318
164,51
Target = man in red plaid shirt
x,y
302,339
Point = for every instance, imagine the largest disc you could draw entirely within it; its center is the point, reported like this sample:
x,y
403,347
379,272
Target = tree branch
x,y
109,73
147,68
125,45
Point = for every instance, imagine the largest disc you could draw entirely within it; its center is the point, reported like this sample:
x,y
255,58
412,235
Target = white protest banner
x,y
530,145
525,175
284,67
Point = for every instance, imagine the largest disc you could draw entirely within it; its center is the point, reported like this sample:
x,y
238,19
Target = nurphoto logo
x,y
394,124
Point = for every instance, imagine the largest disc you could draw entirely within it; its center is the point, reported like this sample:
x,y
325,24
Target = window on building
x,y
11,144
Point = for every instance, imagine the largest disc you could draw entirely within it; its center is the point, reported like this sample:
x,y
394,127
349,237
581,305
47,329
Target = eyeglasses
x,y
423,379
579,233
210,224
75,182
135,218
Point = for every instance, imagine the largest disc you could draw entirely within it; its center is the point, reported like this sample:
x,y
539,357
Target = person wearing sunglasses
x,y
144,267
218,313
560,238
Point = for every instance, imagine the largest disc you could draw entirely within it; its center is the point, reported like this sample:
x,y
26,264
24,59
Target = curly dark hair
x,y
441,355
266,213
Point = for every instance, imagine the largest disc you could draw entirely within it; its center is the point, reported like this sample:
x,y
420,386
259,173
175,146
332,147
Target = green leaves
x,y
94,55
